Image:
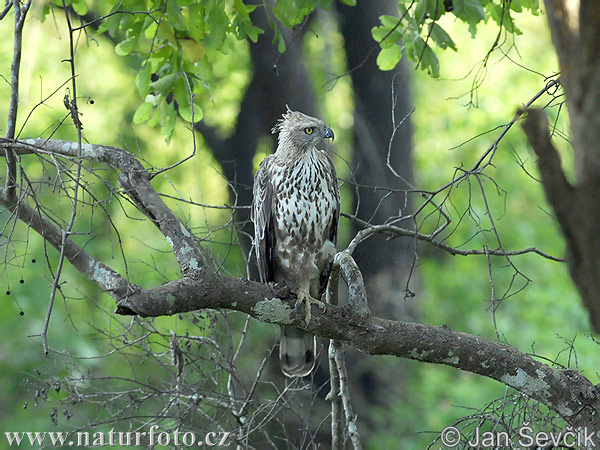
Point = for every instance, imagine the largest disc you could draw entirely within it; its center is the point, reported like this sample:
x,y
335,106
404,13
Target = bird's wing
x,y
264,235
333,229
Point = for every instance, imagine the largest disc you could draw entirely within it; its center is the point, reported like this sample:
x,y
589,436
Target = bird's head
x,y
301,131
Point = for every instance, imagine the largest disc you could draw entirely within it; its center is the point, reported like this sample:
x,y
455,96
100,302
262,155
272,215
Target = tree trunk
x,y
576,37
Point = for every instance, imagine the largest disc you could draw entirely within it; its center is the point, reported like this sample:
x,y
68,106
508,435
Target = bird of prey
x,y
295,210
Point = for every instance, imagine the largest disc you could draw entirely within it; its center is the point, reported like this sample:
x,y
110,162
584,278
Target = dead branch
x,y
393,231
135,180
337,412
565,391
344,393
11,125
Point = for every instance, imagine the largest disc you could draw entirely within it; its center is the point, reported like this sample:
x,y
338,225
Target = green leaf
x,y
192,51
389,21
166,32
427,58
182,94
384,34
253,32
293,12
532,5
388,58
80,7
469,11
142,113
165,84
113,25
174,16
219,22
197,25
515,5
441,38
186,113
125,47
384,38
168,119
349,2
502,17
45,11
142,80
277,36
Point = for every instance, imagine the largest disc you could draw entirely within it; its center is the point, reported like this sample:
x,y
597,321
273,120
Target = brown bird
x,y
296,209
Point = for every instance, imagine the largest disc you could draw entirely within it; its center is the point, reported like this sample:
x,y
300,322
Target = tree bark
x,y
567,392
576,37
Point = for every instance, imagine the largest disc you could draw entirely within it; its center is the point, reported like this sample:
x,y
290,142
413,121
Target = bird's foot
x,y
308,300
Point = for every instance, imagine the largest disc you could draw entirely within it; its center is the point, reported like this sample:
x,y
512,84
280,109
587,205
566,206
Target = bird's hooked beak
x,y
328,134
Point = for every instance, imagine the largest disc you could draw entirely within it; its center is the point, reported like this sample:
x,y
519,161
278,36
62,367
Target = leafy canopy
x,y
177,42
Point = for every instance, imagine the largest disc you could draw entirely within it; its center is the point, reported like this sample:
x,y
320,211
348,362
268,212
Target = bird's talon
x,y
308,300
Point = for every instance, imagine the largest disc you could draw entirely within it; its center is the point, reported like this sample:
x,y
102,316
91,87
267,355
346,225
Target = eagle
x,y
296,210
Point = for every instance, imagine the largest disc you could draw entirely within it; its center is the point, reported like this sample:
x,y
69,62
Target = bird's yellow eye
x,y
309,130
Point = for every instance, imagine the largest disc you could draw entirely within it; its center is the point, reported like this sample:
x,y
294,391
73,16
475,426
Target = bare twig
x,y
6,9
72,106
338,352
106,278
337,411
11,124
135,180
394,231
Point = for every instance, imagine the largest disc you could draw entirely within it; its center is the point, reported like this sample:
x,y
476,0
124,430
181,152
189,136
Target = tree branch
x,y
338,355
106,278
11,124
559,191
393,231
560,30
337,412
564,391
135,180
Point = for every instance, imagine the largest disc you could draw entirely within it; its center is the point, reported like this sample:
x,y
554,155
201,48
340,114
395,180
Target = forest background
x,y
448,121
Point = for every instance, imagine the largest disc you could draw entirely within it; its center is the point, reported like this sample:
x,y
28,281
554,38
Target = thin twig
x,y
66,232
338,351
11,124
393,231
6,9
337,412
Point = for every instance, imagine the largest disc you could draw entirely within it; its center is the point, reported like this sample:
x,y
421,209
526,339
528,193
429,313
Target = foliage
x,y
177,43
418,28
191,69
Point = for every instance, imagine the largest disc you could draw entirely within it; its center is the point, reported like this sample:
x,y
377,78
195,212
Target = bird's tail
x,y
297,352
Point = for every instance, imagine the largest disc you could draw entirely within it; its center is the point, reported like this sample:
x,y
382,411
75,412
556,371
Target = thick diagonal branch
x,y
576,209
135,180
105,277
559,191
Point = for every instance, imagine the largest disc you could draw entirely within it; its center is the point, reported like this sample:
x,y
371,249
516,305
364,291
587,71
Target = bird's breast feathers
x,y
305,199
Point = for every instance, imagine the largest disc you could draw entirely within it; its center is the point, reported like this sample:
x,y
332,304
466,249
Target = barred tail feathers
x,y
297,351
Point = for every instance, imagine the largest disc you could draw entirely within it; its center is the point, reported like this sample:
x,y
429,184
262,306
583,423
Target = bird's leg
x,y
305,297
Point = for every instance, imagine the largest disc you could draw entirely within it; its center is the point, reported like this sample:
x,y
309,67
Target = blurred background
x,y
108,371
